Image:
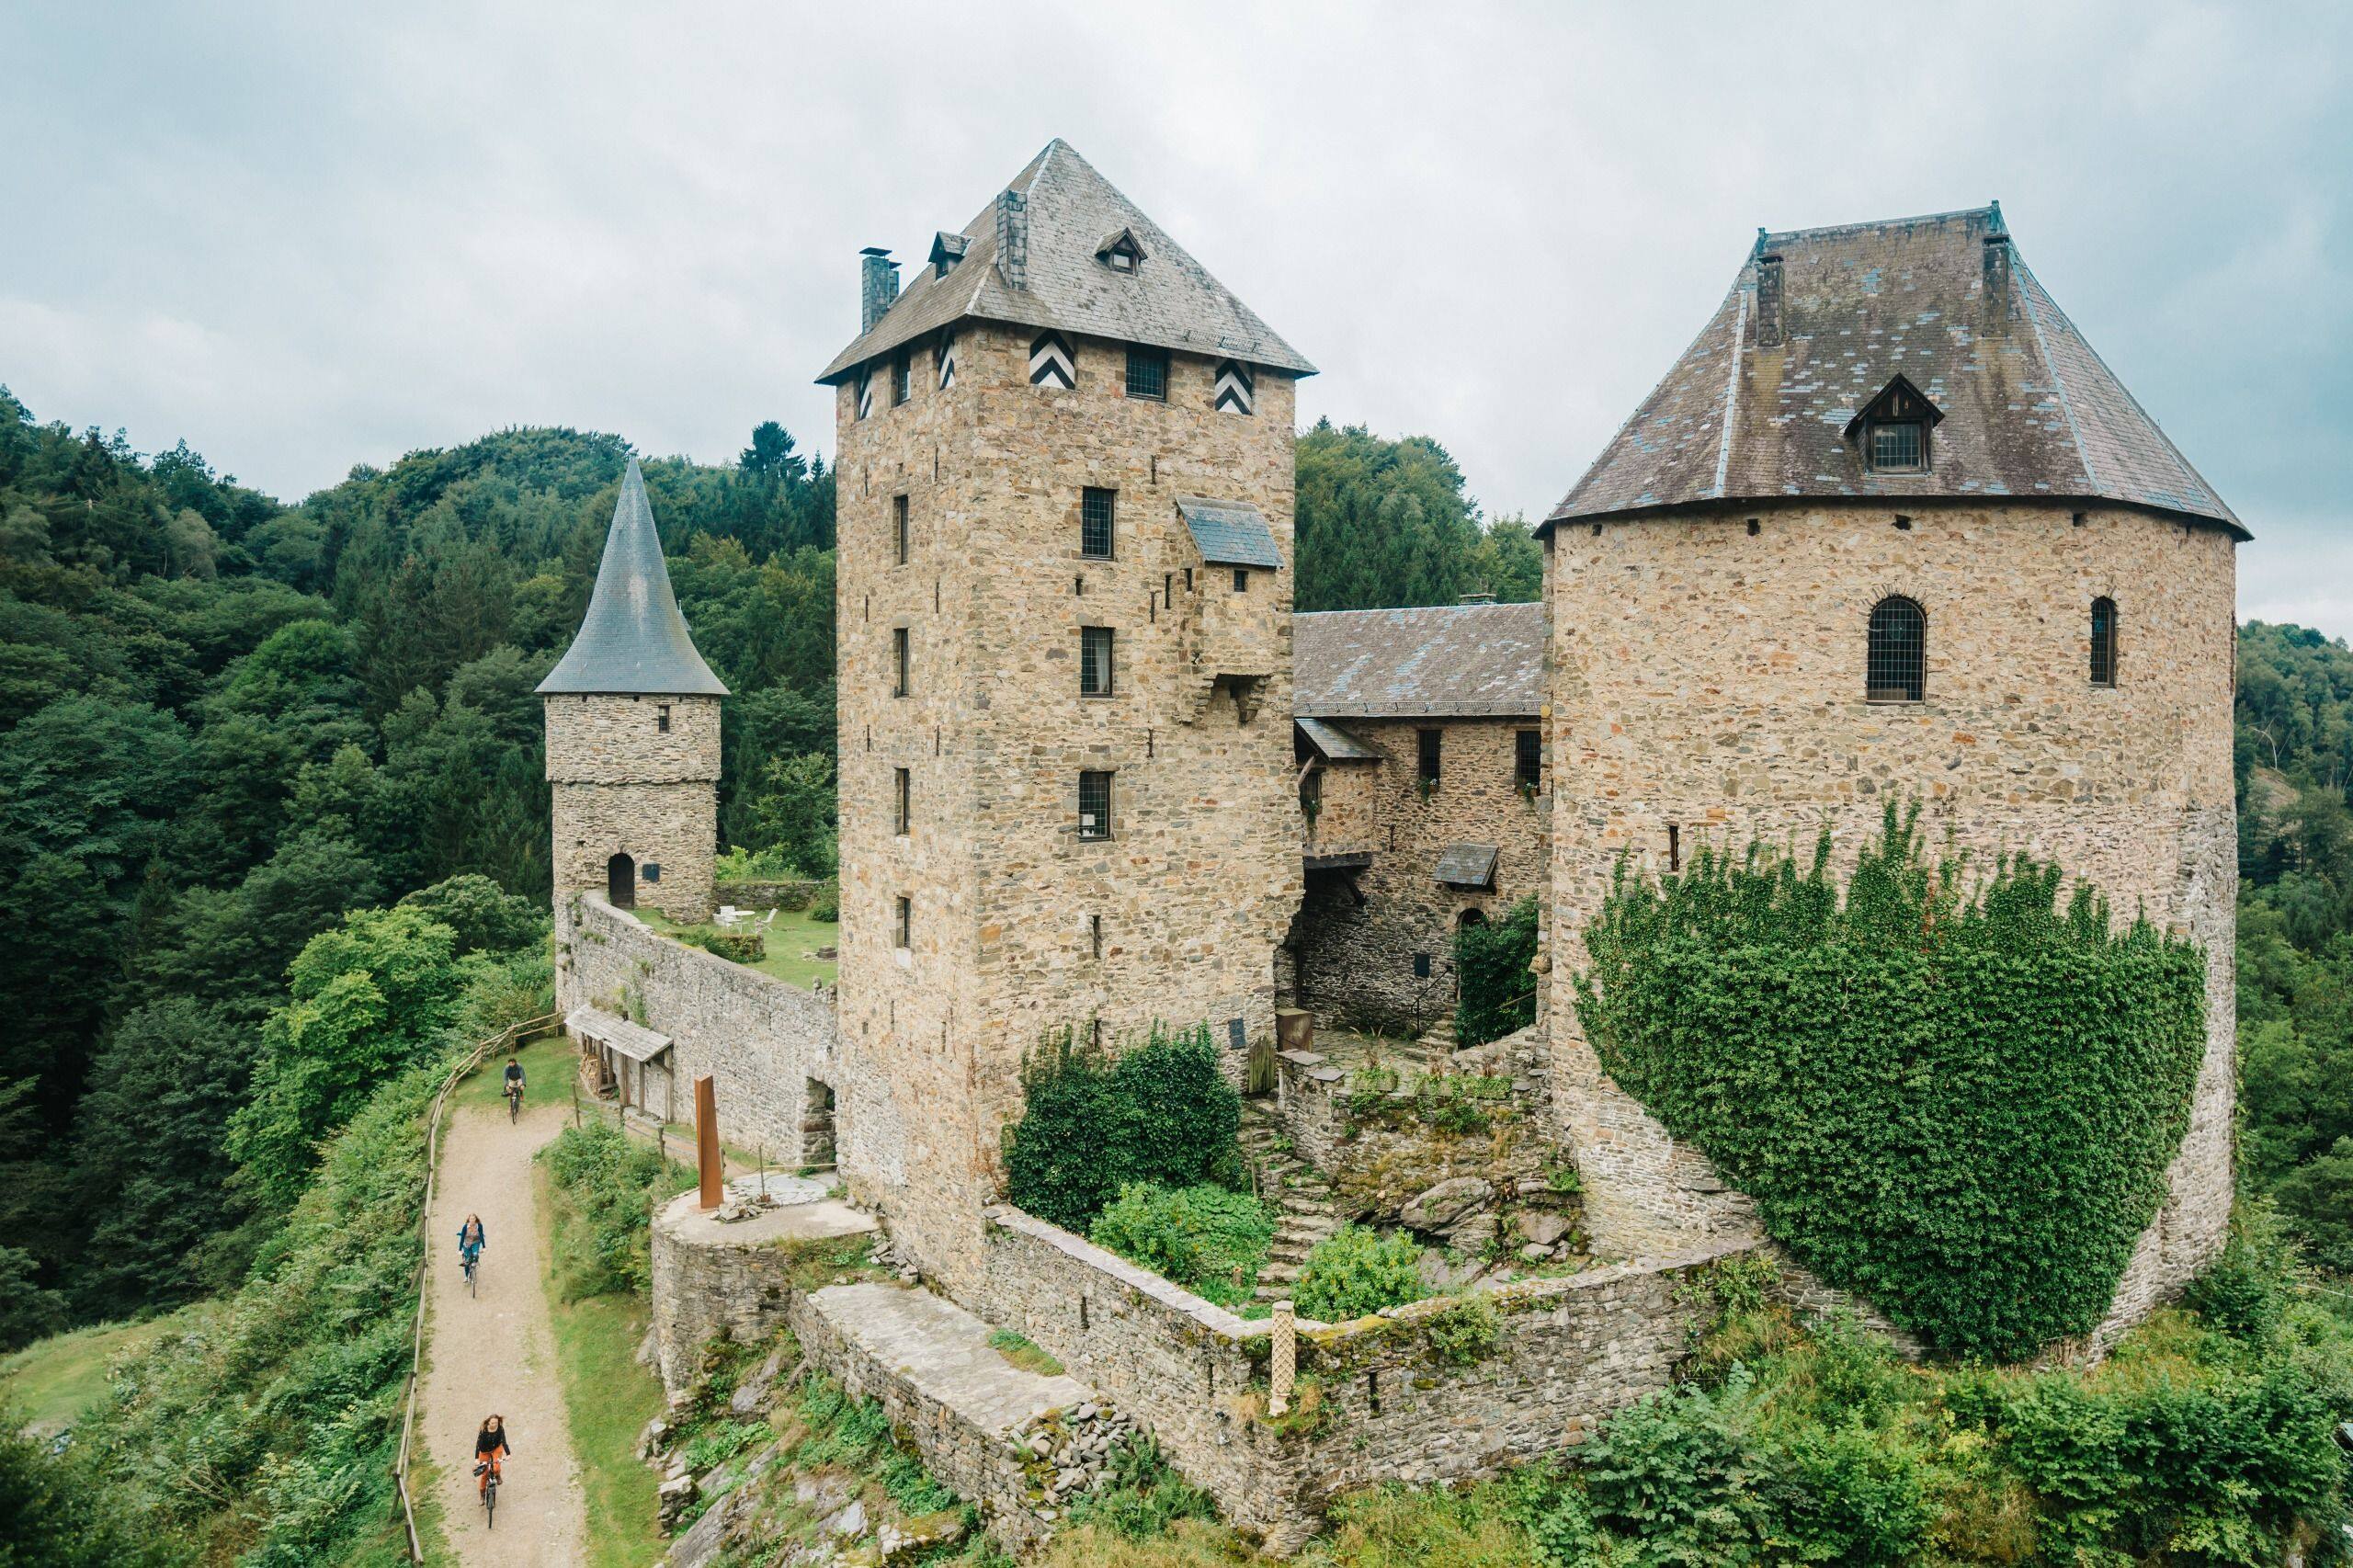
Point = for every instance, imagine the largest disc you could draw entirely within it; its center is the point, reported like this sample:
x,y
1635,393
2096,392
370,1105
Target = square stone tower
x,y
1064,487
632,716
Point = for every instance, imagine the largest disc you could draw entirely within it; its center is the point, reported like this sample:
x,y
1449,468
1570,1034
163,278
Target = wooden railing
x,y
511,1035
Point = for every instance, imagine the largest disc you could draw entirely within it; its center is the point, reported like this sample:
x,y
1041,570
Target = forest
x,y
227,721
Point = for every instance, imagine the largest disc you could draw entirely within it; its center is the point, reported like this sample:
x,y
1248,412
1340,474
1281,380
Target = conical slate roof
x,y
634,640
1763,402
1168,302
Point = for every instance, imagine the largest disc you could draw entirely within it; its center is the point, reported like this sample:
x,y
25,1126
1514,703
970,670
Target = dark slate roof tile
x,y
1230,533
634,640
1461,661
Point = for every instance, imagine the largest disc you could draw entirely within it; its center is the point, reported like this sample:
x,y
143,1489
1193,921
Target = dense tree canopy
x,y
1382,524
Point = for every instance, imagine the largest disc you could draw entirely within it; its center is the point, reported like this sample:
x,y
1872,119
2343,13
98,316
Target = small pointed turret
x,y
633,640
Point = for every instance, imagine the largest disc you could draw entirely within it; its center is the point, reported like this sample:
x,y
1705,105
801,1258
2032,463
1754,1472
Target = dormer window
x,y
1120,252
1892,430
947,250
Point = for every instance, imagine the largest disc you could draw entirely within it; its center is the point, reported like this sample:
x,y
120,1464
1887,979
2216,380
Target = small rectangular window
x,y
898,661
1095,935
1426,743
661,718
899,527
903,801
1094,805
1148,373
1095,660
1241,580
1528,759
903,936
902,380
1095,508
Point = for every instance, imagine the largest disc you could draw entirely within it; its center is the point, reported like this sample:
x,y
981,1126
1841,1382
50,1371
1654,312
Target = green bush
x,y
1499,992
827,905
736,947
1961,1108
607,1184
1211,1240
1355,1271
1091,1124
1142,1495
1464,1334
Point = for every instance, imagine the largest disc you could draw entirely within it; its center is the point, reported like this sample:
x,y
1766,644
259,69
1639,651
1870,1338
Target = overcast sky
x,y
304,238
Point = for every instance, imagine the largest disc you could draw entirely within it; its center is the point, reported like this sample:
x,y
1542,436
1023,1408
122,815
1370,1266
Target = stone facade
x,y
1017,927
623,784
717,1280
1358,932
762,1042
1708,688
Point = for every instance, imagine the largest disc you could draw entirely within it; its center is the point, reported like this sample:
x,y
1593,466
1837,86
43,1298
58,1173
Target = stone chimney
x,y
877,285
1013,238
1996,274
1769,331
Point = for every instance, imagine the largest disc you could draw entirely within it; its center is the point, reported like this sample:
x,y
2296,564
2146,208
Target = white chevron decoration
x,y
864,393
1050,363
946,362
1234,387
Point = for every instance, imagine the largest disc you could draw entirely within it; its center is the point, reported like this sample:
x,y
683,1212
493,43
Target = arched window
x,y
1896,665
2103,641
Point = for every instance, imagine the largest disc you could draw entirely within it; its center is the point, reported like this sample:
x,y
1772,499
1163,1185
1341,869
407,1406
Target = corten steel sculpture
x,y
707,1160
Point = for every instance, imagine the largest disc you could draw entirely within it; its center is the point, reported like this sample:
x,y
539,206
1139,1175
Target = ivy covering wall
x,y
1958,1103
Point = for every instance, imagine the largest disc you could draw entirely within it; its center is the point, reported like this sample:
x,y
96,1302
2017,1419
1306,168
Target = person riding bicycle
x,y
469,1240
514,1079
490,1444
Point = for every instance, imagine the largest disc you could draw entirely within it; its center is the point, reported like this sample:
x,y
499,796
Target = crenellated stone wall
x,y
1707,685
762,1042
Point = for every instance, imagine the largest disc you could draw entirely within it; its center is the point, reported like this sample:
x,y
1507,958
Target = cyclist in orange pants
x,y
490,1445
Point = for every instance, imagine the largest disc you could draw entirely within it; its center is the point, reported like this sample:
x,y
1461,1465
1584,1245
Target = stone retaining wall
x,y
1566,1352
762,1041
785,894
712,1283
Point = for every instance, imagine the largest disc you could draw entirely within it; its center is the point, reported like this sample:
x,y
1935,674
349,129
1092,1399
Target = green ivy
x,y
1498,994
1091,1124
1961,1106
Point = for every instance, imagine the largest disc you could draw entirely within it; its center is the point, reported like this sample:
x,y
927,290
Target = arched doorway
x,y
620,883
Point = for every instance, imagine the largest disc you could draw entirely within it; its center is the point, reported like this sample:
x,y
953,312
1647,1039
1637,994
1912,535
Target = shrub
x,y
606,1183
1142,1496
1090,1125
1498,994
1963,1108
737,947
1211,1240
1355,1271
827,905
1463,1334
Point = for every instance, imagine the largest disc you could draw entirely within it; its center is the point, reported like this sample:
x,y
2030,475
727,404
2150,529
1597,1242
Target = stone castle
x,y
1889,529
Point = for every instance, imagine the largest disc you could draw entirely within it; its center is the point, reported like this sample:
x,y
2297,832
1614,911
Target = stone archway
x,y
620,883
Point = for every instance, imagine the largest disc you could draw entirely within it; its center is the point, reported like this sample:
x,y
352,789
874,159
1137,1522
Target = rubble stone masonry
x,y
1194,889
1708,680
624,785
1355,960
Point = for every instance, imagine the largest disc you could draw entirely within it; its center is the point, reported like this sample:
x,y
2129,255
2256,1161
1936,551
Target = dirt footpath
x,y
495,1352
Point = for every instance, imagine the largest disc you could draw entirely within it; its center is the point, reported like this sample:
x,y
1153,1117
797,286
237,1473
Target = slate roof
x,y
1945,300
1466,866
633,1041
1230,533
1336,745
1462,660
634,638
1170,302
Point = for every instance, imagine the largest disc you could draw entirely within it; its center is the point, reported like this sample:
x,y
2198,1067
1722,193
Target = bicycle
x,y
469,1259
489,1496
513,1102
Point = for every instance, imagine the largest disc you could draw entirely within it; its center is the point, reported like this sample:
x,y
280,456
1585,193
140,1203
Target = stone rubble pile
x,y
1067,1453
884,1255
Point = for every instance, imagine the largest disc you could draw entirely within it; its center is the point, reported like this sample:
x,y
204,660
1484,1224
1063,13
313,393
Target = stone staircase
x,y
1436,1042
1301,1196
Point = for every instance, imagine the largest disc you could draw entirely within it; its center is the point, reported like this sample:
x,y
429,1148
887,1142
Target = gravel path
x,y
495,1353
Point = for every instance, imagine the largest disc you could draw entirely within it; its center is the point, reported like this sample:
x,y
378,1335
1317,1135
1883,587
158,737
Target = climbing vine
x,y
1962,1105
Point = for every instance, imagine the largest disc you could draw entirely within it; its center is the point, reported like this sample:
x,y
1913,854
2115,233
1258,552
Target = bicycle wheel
x,y
490,1505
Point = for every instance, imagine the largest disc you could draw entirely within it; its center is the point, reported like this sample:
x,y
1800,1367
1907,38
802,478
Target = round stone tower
x,y
632,715
1892,531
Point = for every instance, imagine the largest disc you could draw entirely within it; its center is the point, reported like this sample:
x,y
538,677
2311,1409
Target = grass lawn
x,y
796,932
608,1399
547,1075
51,1382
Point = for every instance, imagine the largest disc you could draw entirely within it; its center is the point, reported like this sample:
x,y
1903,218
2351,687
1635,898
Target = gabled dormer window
x,y
1892,430
1120,251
